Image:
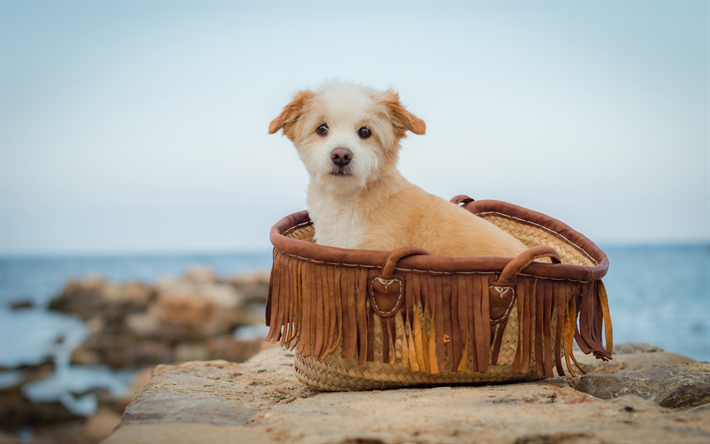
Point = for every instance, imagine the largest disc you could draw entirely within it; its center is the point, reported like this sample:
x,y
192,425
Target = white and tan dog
x,y
348,138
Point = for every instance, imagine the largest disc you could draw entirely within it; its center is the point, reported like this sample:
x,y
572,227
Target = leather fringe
x,y
444,322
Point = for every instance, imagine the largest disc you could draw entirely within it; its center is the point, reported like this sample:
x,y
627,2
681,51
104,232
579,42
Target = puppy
x,y
348,137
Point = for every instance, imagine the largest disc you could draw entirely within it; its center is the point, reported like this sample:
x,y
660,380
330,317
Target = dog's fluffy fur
x,y
367,204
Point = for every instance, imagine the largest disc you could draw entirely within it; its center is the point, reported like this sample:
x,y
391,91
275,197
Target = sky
x,y
141,127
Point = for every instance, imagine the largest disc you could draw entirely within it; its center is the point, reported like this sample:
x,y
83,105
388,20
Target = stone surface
x,y
262,401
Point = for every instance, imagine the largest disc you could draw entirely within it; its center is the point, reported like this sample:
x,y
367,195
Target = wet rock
x,y
16,411
678,386
21,304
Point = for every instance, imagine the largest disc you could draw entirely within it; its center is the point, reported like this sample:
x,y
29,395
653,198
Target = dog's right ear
x,y
290,114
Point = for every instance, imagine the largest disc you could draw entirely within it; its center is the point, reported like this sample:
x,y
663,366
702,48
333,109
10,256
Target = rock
x,y
679,386
254,286
262,401
100,425
69,432
200,274
21,304
16,411
139,381
121,351
88,297
635,347
190,352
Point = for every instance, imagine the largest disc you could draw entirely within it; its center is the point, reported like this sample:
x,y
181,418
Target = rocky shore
x,y
643,395
134,327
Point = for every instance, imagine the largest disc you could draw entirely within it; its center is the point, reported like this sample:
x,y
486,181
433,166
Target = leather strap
x,y
387,289
510,272
399,253
461,198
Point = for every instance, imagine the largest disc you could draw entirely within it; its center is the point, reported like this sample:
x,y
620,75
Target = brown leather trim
x,y
430,264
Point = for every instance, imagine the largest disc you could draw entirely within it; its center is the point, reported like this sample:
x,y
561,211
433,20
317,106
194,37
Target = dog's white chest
x,y
337,221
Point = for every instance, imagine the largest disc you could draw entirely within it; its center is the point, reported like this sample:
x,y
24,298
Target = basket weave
x,y
448,326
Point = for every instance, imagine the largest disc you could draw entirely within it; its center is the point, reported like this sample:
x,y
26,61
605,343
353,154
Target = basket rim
x,y
446,264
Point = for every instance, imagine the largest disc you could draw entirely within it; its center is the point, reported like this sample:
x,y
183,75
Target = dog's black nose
x,y
341,156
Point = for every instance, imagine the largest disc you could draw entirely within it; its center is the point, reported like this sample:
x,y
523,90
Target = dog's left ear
x,y
403,118
290,114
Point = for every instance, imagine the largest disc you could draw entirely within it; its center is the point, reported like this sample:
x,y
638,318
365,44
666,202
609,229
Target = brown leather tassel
x,y
330,311
272,302
480,359
547,328
608,330
286,301
450,321
364,316
338,307
304,341
269,297
419,338
486,319
470,298
436,289
370,316
560,306
583,336
297,306
385,339
350,324
569,327
402,323
520,293
410,361
539,316
319,326
528,326
461,297
283,291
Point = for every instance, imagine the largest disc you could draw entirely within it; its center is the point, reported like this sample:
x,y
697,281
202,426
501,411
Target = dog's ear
x,y
403,119
290,113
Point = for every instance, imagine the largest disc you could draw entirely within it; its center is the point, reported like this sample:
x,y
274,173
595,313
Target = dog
x,y
348,137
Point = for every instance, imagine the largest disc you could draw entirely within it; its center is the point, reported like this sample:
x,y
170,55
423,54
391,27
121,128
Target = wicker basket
x,y
360,319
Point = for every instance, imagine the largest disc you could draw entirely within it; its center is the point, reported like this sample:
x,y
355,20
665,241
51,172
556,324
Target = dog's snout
x,y
341,156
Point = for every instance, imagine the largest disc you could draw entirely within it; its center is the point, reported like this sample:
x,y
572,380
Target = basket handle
x,y
514,267
387,289
461,198
399,253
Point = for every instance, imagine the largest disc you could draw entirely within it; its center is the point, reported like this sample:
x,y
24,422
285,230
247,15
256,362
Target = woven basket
x,y
360,319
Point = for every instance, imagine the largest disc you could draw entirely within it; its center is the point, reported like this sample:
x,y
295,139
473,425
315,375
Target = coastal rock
x,y
684,385
254,286
134,325
90,296
262,401
16,411
21,304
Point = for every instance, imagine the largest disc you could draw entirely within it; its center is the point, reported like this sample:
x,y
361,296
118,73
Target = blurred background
x,y
138,181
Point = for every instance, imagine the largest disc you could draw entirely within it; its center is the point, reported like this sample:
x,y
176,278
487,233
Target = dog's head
x,y
346,135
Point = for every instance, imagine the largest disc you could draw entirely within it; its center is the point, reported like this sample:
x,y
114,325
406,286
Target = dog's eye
x,y
322,130
364,133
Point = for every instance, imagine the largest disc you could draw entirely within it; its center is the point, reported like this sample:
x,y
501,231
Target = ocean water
x,y
657,294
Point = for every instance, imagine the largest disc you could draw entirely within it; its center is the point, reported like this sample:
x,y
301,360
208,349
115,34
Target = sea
x,y
658,294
